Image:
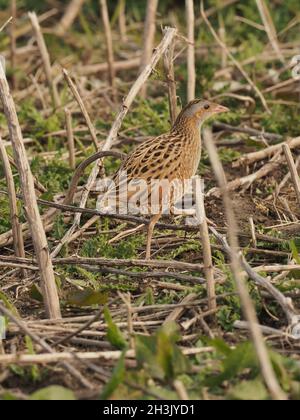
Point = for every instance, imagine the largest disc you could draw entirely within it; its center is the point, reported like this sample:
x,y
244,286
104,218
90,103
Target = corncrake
x,y
2,328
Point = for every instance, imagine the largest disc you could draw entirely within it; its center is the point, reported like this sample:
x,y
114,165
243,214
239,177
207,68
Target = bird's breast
x,y
191,156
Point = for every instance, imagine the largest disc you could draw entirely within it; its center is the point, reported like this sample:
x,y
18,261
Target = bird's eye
x,y
206,106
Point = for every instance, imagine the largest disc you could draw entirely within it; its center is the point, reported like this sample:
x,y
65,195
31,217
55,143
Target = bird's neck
x,y
190,126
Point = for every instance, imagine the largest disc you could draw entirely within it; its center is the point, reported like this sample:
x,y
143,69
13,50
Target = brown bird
x,y
174,156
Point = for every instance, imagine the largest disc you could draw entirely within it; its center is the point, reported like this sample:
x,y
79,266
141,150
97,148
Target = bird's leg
x,y
151,227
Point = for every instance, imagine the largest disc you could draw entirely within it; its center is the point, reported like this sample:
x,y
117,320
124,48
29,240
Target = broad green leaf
x,y
149,296
164,392
295,250
159,355
295,390
146,356
8,396
35,373
9,305
114,335
87,297
18,370
280,370
169,355
117,12
36,293
239,359
242,357
249,391
53,393
116,379
220,346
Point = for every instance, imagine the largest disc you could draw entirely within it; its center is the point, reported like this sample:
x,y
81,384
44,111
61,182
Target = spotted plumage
x,y
172,156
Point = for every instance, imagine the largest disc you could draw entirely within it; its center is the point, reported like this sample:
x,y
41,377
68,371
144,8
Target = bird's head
x,y
199,110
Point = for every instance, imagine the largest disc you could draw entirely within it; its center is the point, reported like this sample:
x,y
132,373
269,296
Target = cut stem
x,y
293,170
48,285
82,107
170,76
148,40
70,135
13,42
45,58
39,239
207,254
190,20
109,46
13,206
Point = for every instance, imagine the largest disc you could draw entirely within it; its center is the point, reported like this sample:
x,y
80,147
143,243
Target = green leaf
x,y
149,296
295,390
242,357
36,293
220,346
159,355
249,390
169,356
18,370
295,251
35,373
146,356
53,393
239,359
280,370
116,379
9,305
87,297
114,335
8,396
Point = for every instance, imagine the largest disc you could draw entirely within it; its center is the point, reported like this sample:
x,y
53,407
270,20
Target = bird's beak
x,y
219,109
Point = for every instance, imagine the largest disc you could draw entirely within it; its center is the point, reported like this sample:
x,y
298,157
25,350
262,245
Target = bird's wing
x,y
155,159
